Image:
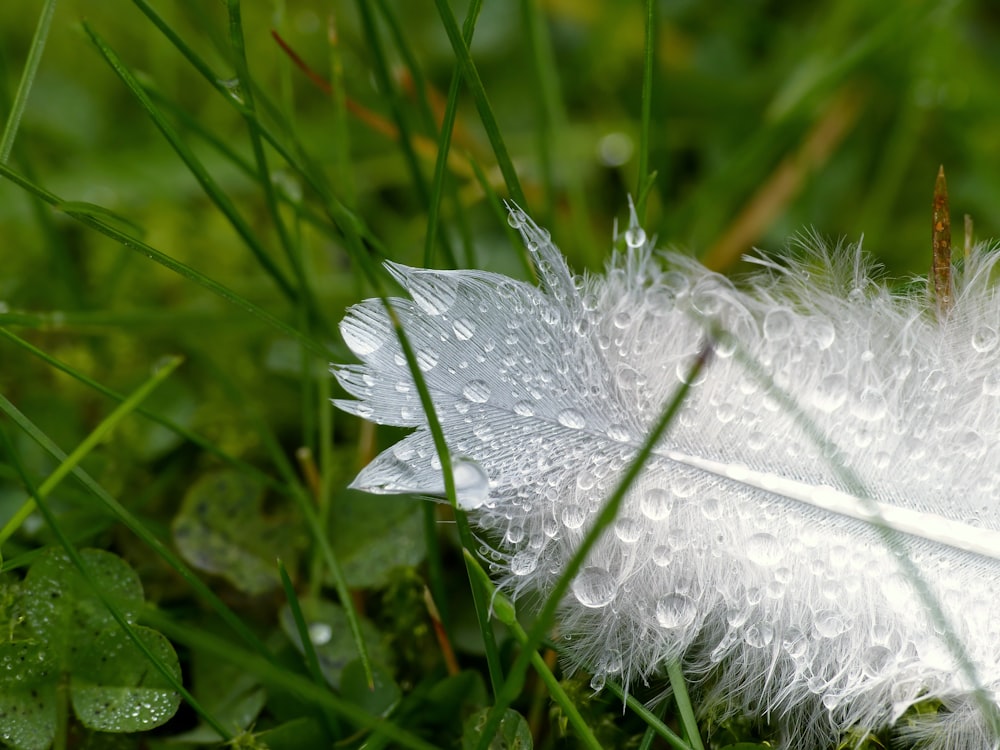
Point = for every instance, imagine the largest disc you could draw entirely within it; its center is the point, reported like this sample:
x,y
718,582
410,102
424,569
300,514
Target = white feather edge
x,y
842,291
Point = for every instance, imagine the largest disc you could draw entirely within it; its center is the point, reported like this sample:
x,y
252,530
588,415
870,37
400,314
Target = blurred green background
x,y
768,119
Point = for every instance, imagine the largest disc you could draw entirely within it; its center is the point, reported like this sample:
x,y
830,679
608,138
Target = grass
x,y
266,182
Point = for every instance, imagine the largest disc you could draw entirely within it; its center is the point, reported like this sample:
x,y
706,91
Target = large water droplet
x,y
523,563
464,329
433,292
572,419
764,549
427,359
595,587
635,237
524,409
363,332
759,635
830,393
876,660
655,504
320,633
573,516
829,624
778,324
629,530
821,331
477,391
472,486
675,611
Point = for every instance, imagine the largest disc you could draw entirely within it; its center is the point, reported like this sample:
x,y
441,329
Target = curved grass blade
x,y
27,79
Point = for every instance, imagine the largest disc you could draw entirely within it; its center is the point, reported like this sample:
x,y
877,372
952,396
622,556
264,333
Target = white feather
x,y
741,550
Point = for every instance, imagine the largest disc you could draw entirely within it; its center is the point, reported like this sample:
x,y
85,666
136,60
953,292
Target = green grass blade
x,y
651,719
137,527
642,189
503,610
309,653
27,79
444,145
684,708
99,434
37,496
132,243
605,518
475,84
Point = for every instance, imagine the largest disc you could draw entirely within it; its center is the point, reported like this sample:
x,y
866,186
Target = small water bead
x,y
427,359
684,371
830,393
822,332
523,563
635,237
870,405
516,219
759,636
984,339
991,383
477,391
573,516
524,409
433,292
628,530
675,611
618,433
464,329
363,333
778,324
829,624
572,419
595,587
663,555
320,633
711,508
655,504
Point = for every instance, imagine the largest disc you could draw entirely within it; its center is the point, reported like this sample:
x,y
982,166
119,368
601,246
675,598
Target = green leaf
x,y
512,734
232,695
380,699
220,529
374,535
114,688
331,637
63,611
27,695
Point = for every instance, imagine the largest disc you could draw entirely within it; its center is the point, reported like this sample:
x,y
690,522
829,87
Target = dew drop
x,y
763,549
618,433
991,383
759,636
523,563
984,339
572,419
829,624
629,530
655,504
573,516
870,405
675,611
524,409
363,335
595,587
427,359
711,508
516,219
477,391
822,332
433,292
830,393
472,486
464,329
320,633
778,324
635,237
663,555
876,660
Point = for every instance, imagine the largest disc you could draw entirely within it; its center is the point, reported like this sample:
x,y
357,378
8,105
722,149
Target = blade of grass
x,y
475,84
651,719
308,652
37,495
440,181
99,434
137,527
269,672
503,610
684,708
132,243
605,518
647,109
27,79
